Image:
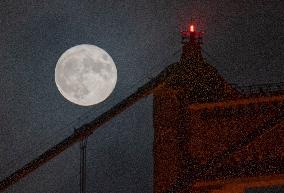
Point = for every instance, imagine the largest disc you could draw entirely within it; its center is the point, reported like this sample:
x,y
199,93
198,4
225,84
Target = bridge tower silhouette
x,y
212,136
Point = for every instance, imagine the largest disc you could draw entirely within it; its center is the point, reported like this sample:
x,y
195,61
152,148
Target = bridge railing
x,y
261,89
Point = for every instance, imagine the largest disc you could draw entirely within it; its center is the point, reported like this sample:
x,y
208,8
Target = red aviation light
x,y
191,28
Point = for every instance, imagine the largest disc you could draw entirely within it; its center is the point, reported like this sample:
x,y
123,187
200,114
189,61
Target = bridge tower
x,y
191,80
195,113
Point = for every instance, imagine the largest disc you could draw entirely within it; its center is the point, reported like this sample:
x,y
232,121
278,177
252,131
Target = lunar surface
x,y
85,75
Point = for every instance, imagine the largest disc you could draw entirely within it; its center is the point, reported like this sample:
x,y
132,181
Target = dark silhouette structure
x,y
210,136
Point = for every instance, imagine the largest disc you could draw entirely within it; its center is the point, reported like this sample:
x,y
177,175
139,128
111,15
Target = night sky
x,y
245,41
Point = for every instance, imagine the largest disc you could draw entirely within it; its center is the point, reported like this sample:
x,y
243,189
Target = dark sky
x,y
245,40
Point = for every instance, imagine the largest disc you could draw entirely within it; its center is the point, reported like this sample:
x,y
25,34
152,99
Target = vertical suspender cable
x,y
83,148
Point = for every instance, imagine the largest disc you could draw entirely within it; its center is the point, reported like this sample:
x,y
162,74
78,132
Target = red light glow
x,y
191,28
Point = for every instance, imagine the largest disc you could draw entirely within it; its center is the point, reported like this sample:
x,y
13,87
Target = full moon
x,y
85,75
